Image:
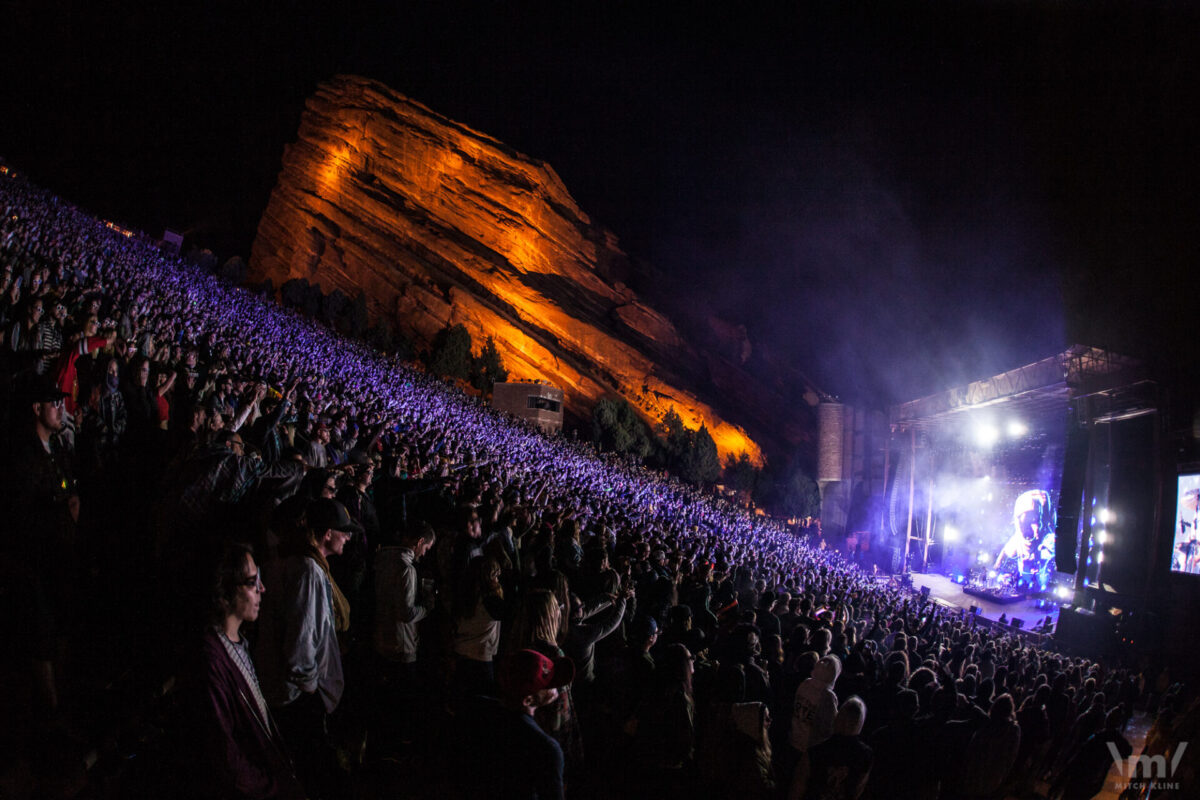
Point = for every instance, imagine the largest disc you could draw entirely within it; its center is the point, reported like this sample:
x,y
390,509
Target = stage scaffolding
x,y
1042,390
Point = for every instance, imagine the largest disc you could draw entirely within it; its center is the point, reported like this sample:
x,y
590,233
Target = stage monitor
x,y
1185,550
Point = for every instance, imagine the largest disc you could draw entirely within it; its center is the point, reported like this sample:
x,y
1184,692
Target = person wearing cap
x,y
39,549
540,627
507,749
297,650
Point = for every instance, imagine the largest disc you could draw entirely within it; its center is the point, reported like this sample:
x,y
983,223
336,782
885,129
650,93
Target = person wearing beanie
x,y
840,766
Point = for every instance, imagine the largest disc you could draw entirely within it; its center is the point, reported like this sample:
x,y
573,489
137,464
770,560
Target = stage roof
x,y
1033,390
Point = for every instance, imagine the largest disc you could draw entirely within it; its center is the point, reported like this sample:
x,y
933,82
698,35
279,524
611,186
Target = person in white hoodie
x,y
813,713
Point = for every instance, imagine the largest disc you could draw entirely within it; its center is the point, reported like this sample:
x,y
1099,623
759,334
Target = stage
x,y
943,589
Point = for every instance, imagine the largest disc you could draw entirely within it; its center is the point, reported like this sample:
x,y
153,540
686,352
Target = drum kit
x,y
1002,587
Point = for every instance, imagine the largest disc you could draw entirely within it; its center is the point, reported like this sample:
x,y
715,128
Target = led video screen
x,y
1185,550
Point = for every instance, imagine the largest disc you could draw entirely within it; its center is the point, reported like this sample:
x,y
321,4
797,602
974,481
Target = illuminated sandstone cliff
x,y
440,224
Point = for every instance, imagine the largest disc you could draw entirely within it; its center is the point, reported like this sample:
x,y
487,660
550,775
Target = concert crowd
x,y
248,557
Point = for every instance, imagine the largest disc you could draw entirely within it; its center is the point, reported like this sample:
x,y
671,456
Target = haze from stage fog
x,y
895,198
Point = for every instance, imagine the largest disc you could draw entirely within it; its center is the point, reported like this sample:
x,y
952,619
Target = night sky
x,y
895,198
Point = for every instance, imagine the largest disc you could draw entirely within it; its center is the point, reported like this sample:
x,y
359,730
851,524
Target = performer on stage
x,y
1186,555
1029,551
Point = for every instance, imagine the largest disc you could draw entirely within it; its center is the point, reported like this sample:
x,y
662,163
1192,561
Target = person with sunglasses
x,y
242,753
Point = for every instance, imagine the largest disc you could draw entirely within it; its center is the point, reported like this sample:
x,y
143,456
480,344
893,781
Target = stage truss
x,y
1042,392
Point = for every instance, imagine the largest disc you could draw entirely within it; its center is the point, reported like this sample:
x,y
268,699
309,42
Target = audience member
x,y
241,752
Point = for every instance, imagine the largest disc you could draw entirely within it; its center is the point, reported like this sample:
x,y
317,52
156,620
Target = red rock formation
x,y
440,224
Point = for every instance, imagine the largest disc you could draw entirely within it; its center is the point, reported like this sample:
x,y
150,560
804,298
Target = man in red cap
x,y
512,756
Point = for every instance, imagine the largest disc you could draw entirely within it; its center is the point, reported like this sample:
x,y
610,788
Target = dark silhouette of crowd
x,y
248,557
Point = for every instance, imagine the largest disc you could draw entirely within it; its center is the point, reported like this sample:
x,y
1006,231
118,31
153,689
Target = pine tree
x,y
675,437
788,490
740,473
701,463
617,427
489,368
450,355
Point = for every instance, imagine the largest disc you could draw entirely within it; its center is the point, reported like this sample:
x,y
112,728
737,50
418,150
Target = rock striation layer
x,y
439,224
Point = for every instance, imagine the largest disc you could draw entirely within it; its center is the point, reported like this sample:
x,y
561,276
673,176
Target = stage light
x,y
1063,591
1101,537
991,574
950,533
1017,429
986,435
1100,558
983,558
1104,515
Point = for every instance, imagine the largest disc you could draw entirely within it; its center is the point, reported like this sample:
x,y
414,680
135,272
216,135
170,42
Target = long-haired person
x,y
298,649
478,615
242,754
541,618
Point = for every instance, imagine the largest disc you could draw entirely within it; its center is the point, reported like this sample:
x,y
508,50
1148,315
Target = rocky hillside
x,y
439,224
